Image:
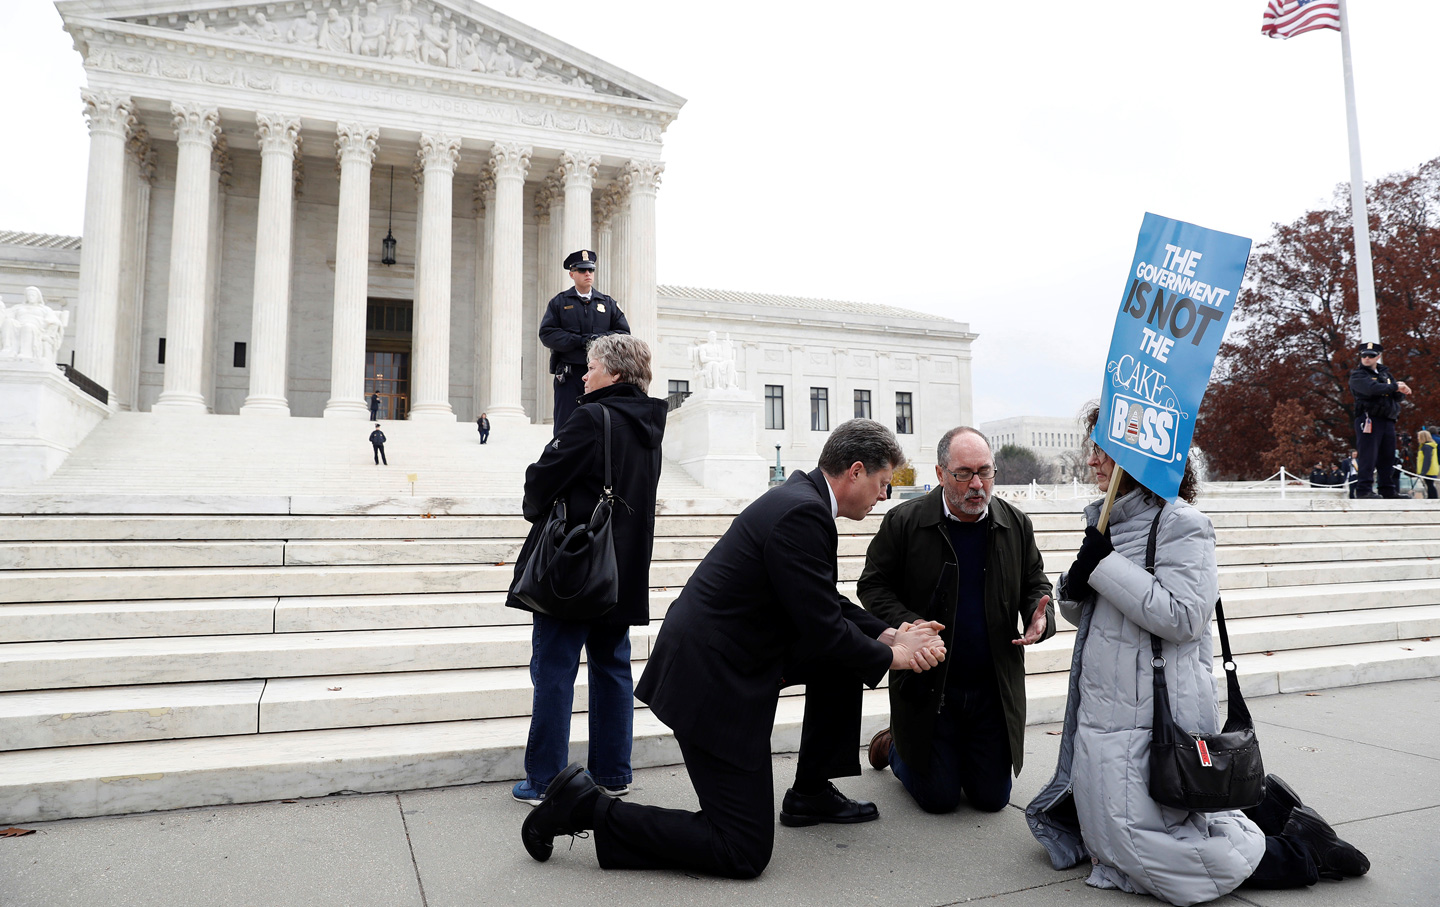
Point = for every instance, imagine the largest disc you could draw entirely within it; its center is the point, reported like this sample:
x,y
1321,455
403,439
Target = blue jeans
x,y
969,754
554,662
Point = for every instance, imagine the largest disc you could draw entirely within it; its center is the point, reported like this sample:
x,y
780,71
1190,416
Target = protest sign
x,y
1173,313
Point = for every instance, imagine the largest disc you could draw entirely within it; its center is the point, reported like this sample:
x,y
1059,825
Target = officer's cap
x,y
1371,349
584,260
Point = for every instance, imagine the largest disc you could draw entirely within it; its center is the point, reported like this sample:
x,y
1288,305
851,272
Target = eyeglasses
x,y
1369,355
963,476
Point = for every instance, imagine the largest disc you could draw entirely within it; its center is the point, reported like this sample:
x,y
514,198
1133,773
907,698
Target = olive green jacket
x,y
911,574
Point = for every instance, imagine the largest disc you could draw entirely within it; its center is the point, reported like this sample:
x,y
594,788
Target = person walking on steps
x,y
377,442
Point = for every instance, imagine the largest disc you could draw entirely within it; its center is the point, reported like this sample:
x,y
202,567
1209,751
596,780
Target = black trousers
x,y
1287,864
380,453
733,833
1376,455
484,435
567,395
969,754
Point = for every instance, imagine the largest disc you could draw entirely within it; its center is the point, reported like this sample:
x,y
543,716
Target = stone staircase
x,y
164,651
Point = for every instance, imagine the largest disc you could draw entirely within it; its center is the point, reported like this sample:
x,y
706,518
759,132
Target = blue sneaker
x,y
527,793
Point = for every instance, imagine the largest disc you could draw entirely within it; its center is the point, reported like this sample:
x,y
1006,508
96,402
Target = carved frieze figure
x,y
405,33
502,63
335,32
435,42
266,30
370,32
469,56
31,329
305,32
714,363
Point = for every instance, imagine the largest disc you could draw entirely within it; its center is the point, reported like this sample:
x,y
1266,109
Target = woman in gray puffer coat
x,y
1098,806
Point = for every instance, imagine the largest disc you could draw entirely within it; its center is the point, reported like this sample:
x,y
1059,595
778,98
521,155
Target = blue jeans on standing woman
x,y
554,663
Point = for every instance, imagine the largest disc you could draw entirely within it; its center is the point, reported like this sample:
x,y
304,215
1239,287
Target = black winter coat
x,y
761,602
1376,393
573,468
570,318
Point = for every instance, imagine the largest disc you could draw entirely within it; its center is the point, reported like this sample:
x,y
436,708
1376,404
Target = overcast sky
x,y
988,162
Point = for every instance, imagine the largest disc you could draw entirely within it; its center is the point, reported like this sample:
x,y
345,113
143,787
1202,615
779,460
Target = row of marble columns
x,y
565,225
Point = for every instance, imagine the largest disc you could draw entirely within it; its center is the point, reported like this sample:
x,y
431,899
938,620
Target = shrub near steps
x,y
177,659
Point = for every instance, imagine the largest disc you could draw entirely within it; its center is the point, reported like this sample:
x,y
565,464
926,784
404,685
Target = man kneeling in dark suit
x,y
760,612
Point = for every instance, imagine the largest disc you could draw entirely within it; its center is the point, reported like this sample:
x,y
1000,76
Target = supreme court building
x,y
251,164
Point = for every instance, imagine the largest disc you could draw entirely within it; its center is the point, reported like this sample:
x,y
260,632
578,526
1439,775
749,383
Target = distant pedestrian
x,y
483,425
1425,462
374,406
377,441
1352,473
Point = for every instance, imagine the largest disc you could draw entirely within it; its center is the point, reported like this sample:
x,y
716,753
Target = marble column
x,y
578,169
430,362
602,216
109,116
355,148
553,279
222,171
642,178
139,179
509,162
196,129
617,281
484,239
270,310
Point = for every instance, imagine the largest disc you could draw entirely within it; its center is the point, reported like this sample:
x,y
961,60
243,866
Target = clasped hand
x,y
917,646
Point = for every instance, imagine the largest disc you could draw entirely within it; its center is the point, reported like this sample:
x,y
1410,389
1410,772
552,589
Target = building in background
x,y
1053,439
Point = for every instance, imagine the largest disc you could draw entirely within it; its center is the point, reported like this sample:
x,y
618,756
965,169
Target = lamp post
x,y
777,475
387,245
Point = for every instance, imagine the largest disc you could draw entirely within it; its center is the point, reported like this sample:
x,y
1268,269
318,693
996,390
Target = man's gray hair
x,y
862,441
942,447
625,355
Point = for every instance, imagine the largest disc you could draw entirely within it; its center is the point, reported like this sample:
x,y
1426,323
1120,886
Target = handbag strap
x,y
1237,713
609,482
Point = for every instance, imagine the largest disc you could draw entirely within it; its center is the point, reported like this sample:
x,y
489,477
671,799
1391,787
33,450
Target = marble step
x,y
238,527
92,715
126,713
42,621
124,662
114,779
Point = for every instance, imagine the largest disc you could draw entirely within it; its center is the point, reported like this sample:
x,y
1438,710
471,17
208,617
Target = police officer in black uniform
x,y
1377,404
572,319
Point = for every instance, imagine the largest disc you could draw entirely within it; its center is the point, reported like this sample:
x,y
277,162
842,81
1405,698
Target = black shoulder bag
x,y
1202,772
572,574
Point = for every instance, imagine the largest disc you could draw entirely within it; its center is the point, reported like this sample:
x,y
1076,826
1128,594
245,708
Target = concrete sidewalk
x,y
1368,758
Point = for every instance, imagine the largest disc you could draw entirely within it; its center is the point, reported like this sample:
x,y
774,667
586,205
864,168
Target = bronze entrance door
x,y
387,355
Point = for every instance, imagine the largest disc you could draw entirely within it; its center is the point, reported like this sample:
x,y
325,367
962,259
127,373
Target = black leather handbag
x,y
572,574
1203,772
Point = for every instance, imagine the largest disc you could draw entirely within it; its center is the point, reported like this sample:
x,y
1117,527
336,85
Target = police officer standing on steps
x,y
572,319
1377,404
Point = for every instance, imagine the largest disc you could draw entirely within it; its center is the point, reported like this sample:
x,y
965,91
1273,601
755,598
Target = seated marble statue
x,y
714,363
306,32
335,32
31,329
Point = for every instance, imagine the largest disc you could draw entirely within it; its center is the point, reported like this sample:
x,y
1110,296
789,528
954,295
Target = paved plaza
x,y
1367,757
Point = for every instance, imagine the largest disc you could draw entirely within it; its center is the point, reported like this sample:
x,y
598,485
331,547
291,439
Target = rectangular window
x,y
819,409
774,406
239,355
162,351
862,405
904,415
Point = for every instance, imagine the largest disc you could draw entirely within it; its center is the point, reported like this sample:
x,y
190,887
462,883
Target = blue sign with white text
x,y
1176,305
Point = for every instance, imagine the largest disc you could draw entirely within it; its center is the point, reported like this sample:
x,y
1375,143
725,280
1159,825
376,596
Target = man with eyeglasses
x,y
1377,404
969,561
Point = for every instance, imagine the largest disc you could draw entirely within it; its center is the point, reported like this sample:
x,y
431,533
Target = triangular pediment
x,y
456,37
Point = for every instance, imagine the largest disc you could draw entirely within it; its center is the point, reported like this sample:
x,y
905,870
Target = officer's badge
x,y
599,306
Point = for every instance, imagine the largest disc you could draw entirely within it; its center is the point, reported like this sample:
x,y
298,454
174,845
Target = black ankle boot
x,y
1273,813
1335,859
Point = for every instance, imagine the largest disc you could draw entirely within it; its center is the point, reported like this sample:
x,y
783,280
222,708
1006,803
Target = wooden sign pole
x,y
1115,478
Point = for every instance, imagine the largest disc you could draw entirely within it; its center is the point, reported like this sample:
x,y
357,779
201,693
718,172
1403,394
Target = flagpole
x,y
1360,218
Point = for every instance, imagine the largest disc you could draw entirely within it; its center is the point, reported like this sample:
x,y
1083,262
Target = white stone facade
x,y
246,164
1052,438
226,140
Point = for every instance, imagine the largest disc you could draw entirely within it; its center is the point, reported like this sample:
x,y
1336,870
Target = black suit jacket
x,y
760,606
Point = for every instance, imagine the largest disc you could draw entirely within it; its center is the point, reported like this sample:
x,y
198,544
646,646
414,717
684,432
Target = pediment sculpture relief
x,y
402,32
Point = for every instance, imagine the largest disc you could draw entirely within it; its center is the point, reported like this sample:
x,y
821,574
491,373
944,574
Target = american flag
x,y
1288,18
